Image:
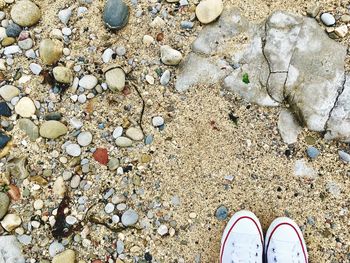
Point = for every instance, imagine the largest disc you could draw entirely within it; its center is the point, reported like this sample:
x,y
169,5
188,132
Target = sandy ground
x,y
199,146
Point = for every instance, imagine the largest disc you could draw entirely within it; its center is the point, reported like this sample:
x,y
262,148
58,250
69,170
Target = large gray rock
x,y
338,125
10,250
287,59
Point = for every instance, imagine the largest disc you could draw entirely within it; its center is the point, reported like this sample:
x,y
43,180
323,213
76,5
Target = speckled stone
x,y
29,128
25,13
63,74
52,129
50,51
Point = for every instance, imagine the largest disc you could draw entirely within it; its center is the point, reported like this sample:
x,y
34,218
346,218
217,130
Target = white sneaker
x,y
242,241
284,242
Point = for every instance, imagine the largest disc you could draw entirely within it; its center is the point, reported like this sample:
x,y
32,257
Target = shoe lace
x,y
246,249
286,252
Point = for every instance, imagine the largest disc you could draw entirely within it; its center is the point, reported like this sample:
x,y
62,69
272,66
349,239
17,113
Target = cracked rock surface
x,y
290,61
10,250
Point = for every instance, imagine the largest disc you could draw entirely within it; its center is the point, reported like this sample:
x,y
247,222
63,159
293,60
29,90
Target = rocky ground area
x,y
131,131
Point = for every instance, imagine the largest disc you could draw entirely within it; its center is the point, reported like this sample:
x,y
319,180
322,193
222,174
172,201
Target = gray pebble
x,y
327,19
221,213
115,14
84,138
130,217
120,246
121,51
55,248
73,150
344,156
312,152
109,208
13,30
74,183
165,78
157,121
186,24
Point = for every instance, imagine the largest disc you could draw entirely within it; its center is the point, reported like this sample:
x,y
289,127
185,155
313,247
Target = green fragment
x,y
245,78
4,188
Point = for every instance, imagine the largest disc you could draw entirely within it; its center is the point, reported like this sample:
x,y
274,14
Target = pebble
x,y
84,138
149,139
186,24
88,82
5,109
345,157
157,23
25,13
101,156
66,31
11,222
25,44
71,220
77,124
52,129
13,30
29,128
115,14
25,107
121,51
157,121
35,68
4,204
64,15
341,31
345,18
74,183
67,175
109,208
55,248
24,239
221,213
327,19
7,92
38,204
115,79
59,188
162,230
123,141
67,256
81,10
50,51
117,132
165,78
63,74
149,79
147,40
209,10
135,134
170,56
82,98
4,139
312,152
73,150
113,164
120,246
107,55
129,217
313,10
11,50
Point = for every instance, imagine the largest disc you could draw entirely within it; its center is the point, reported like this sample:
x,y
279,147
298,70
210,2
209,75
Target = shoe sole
x,y
285,221
234,219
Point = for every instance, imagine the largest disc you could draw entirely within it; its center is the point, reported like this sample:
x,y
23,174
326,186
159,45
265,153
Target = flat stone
x,y
52,129
129,217
170,56
303,170
50,51
4,204
312,152
313,10
11,222
117,132
25,44
341,31
8,92
221,213
63,74
115,14
115,79
113,164
55,248
135,134
165,78
162,230
327,19
29,128
209,10
10,250
123,142
88,82
25,13
25,107
84,138
67,256
35,68
73,150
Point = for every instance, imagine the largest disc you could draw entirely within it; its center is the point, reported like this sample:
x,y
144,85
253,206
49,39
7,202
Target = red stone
x,y
101,156
14,192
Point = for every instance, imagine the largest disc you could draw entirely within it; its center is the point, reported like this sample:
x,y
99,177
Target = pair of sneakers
x,y
243,241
